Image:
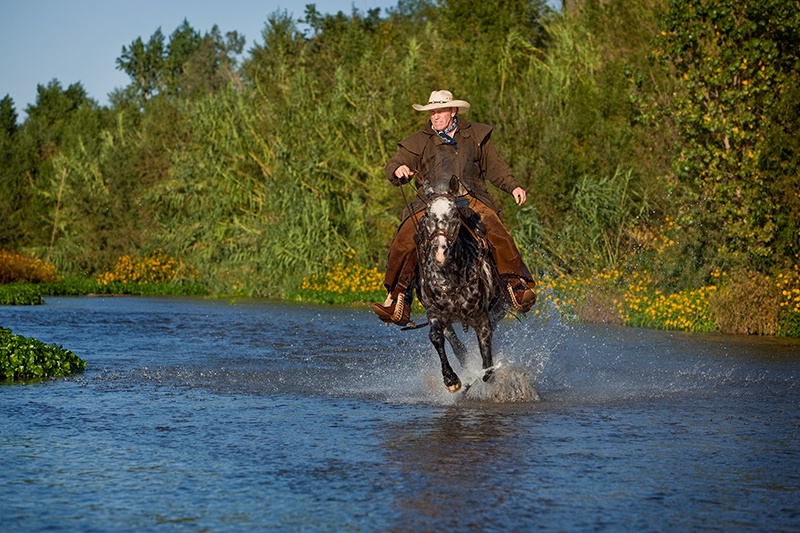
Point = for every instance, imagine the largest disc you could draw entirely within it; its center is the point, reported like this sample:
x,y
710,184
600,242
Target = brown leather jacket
x,y
474,161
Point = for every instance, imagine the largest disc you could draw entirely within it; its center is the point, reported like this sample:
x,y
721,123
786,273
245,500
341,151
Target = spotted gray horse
x,y
458,278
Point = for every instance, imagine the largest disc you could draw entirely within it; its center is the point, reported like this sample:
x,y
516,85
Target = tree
x,y
144,63
9,207
272,62
61,121
213,64
483,40
183,42
8,116
187,65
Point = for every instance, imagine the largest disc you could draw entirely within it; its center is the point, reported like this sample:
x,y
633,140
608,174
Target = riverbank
x,y
747,306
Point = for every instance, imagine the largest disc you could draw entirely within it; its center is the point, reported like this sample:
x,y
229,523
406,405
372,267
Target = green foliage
x,y
82,287
334,297
266,169
20,294
593,180
144,63
606,211
605,215
733,62
186,65
27,359
32,184
789,324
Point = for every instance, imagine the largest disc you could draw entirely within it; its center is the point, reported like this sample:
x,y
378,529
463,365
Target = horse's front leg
x,y
484,331
436,335
458,347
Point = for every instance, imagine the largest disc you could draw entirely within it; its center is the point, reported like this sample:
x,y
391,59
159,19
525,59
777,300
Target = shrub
x,y
19,267
23,359
748,304
788,283
633,299
686,310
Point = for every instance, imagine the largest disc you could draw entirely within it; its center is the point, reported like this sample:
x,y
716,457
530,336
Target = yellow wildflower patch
x,y
157,267
345,279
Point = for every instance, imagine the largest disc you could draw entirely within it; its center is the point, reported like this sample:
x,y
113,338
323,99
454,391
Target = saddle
x,y
473,224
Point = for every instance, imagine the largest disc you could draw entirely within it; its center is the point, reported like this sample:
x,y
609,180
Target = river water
x,y
198,415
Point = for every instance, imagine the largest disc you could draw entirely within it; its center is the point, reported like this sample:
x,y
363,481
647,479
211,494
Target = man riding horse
x,y
448,146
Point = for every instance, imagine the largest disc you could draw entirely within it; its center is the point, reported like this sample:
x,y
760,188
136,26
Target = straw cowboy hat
x,y
441,100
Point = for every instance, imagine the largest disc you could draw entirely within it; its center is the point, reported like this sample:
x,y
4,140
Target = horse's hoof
x,y
454,386
488,375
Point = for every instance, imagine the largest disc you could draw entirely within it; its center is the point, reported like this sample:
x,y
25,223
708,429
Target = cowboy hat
x,y
442,100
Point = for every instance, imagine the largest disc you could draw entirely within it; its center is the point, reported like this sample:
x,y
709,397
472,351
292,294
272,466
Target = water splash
x,y
523,350
510,383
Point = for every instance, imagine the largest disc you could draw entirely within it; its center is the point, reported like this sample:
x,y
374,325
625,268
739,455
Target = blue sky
x,y
80,40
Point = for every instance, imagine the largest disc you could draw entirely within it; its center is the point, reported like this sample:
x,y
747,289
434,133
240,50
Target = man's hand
x,y
519,195
404,173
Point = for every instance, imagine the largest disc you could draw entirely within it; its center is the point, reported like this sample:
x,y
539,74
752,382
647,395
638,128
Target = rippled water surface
x,y
201,415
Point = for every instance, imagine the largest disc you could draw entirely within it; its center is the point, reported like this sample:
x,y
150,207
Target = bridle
x,y
450,237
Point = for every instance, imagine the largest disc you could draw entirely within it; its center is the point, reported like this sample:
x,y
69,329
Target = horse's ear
x,y
454,185
427,190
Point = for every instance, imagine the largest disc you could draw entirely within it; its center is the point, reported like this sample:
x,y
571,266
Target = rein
x,y
408,206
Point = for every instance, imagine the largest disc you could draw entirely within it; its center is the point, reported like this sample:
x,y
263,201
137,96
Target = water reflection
x,y
456,468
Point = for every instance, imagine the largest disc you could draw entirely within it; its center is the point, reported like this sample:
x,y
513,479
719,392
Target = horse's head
x,y
440,226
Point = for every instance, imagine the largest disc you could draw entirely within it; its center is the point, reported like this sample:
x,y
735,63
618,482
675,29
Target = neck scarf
x,y
444,133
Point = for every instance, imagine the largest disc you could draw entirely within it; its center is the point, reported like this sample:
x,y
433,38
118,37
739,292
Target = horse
x,y
458,281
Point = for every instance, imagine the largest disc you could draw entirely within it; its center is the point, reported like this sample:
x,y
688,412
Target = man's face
x,y
442,118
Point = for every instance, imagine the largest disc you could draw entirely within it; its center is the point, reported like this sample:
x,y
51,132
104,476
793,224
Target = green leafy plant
x,y
26,359
732,63
20,294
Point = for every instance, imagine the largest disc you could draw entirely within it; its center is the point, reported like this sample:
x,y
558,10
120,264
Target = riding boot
x,y
521,293
397,308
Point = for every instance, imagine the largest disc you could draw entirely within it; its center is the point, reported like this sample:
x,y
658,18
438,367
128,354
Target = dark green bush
x,y
24,359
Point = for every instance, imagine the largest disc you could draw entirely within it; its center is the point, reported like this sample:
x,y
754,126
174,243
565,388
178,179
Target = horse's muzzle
x,y
442,248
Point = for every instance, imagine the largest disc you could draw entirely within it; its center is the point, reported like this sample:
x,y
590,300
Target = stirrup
x,y
401,314
398,307
523,306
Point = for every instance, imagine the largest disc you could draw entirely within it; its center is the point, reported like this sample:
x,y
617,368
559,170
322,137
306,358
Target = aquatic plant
x,y
25,359
20,294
